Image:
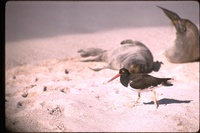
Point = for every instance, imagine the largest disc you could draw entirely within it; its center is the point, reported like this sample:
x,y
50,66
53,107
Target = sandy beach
x,y
48,88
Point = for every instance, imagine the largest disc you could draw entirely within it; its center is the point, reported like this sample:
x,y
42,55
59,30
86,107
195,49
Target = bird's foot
x,y
156,104
134,103
131,105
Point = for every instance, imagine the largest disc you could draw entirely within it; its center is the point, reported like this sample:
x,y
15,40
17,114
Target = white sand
x,y
41,96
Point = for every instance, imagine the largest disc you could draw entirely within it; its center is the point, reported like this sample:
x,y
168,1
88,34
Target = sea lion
x,y
186,47
132,55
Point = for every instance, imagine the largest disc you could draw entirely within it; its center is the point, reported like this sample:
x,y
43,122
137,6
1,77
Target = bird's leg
x,y
155,100
137,99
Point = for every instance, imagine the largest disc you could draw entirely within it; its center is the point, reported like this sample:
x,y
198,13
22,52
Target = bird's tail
x,y
165,81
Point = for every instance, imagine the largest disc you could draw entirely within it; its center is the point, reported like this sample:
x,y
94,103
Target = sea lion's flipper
x,y
127,41
92,58
91,52
156,66
98,69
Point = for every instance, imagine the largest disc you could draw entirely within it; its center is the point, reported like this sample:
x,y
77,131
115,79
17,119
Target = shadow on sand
x,y
169,101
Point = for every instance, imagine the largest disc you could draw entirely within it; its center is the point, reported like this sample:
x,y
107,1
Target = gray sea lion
x,y
186,47
132,55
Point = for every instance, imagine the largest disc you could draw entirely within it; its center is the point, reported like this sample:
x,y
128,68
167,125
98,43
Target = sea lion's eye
x,y
184,28
183,25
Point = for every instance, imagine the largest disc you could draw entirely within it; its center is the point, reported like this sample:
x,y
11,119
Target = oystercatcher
x,y
186,47
140,82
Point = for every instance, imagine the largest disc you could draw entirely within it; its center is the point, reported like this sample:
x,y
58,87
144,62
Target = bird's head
x,y
123,72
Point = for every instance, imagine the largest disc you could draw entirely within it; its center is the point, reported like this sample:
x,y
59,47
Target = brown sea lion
x,y
186,47
132,55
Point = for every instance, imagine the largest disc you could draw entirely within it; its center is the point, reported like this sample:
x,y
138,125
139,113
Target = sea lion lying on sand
x,y
186,48
132,55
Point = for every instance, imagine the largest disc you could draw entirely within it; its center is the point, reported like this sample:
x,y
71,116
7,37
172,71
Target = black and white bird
x,y
140,82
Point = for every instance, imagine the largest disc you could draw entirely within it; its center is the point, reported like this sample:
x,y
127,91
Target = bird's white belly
x,y
141,90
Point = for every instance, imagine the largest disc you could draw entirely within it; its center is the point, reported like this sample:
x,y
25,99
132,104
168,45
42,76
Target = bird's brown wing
x,y
145,81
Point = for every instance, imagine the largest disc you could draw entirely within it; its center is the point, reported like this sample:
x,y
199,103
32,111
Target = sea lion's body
x,y
186,45
132,55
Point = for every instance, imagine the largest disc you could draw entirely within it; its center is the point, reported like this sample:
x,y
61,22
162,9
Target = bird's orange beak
x,y
116,76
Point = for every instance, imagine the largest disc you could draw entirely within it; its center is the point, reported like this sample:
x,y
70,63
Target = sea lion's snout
x,y
176,20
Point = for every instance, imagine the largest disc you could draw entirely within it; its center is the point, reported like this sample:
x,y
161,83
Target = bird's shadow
x,y
169,101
